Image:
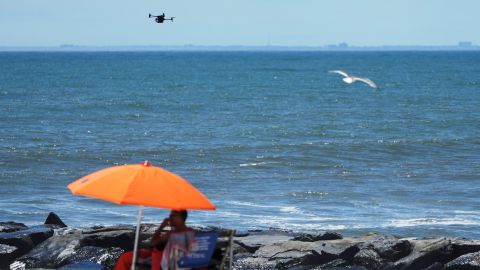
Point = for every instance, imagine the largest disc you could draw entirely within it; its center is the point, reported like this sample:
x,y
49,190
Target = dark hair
x,y
182,213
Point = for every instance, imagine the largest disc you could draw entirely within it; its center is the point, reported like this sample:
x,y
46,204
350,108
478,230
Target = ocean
x,y
272,138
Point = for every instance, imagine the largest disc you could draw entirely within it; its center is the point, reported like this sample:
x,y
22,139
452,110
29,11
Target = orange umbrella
x,y
143,185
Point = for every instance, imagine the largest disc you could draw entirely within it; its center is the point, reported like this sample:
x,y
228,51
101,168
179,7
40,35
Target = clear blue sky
x,y
239,22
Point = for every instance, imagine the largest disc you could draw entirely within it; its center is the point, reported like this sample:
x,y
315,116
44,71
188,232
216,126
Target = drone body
x,y
160,18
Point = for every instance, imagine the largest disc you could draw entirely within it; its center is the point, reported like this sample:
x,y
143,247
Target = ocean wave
x,y
252,164
308,194
414,222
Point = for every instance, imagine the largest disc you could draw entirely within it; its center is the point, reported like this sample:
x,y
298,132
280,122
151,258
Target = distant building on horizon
x,y
339,46
465,44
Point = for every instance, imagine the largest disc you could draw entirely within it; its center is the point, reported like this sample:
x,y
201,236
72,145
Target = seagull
x,y
351,79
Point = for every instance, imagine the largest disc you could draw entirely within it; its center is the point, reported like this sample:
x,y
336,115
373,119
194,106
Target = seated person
x,y
180,237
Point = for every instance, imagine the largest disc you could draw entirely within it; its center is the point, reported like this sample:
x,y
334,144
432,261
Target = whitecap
x,y
252,164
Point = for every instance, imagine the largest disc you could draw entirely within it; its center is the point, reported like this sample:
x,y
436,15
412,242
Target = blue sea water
x,y
271,138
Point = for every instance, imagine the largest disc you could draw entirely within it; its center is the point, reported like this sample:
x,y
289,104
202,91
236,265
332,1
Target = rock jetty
x,y
54,245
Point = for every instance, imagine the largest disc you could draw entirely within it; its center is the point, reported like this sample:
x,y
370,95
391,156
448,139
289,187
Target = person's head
x,y
178,217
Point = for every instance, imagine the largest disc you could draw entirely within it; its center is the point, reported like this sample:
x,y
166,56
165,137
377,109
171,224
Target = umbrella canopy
x,y
141,184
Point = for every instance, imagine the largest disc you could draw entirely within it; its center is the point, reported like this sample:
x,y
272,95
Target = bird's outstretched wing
x,y
367,81
341,72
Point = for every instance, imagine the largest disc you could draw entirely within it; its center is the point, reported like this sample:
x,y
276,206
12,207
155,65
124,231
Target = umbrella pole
x,y
137,236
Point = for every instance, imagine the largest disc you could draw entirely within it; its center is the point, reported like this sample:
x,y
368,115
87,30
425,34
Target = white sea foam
x,y
250,204
398,223
290,209
252,164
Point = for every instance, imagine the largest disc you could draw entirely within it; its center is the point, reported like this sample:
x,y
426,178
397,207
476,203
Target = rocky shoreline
x,y
53,245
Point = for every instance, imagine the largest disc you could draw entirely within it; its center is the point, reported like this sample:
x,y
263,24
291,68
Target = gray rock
x,y
289,254
255,240
26,239
63,248
317,237
53,219
389,247
7,255
334,263
11,226
52,253
343,248
104,256
464,246
254,263
109,237
435,266
368,258
425,253
467,261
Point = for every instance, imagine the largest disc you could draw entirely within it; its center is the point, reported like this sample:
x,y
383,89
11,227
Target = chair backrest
x,y
223,255
202,251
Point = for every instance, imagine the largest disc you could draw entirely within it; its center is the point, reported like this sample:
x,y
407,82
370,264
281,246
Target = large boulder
x,y
100,244
254,240
425,253
298,254
11,226
23,241
114,236
248,263
53,253
345,248
388,247
464,246
469,261
7,255
312,237
103,256
287,254
370,259
53,219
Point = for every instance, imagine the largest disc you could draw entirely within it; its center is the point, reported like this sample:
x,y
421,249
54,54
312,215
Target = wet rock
x,y
254,240
96,243
317,237
53,219
7,255
435,266
348,267
24,240
52,253
11,226
464,246
254,263
114,236
104,256
389,247
296,253
334,263
369,258
343,248
467,262
426,252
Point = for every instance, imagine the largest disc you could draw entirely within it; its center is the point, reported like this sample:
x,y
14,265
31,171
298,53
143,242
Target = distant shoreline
x,y
235,48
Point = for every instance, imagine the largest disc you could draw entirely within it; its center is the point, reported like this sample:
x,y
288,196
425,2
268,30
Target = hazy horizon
x,y
239,23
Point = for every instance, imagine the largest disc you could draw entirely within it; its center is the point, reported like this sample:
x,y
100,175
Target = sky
x,y
239,22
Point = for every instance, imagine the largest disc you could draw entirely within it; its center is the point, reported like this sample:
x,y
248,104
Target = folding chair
x,y
201,254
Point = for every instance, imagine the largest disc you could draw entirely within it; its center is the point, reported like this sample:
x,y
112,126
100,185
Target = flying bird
x,y
351,79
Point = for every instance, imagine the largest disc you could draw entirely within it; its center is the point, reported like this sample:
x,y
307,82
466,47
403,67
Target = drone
x,y
160,18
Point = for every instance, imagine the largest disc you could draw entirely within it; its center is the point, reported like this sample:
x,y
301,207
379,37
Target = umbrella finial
x,y
147,163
